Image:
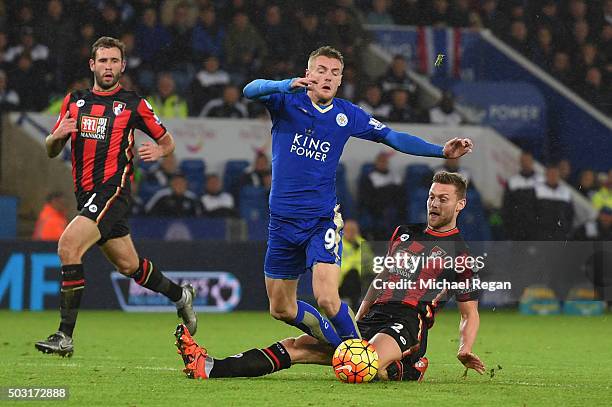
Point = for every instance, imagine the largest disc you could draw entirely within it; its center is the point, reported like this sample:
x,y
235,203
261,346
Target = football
x,y
355,361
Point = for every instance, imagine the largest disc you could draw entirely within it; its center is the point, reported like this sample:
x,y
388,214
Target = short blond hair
x,y
325,51
452,178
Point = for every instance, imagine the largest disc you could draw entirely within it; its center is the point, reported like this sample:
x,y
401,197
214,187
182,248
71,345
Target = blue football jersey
x,y
307,142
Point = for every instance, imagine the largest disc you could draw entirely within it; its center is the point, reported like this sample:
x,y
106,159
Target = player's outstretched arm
x,y
57,139
260,88
409,144
468,330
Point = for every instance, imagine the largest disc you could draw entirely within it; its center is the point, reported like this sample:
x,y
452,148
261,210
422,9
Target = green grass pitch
x,y
130,360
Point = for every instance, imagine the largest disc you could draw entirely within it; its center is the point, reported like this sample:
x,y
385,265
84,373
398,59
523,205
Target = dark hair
x,y
452,178
107,42
326,51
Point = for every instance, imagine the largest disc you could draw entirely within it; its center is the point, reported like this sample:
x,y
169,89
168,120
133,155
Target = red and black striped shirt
x,y
428,253
102,147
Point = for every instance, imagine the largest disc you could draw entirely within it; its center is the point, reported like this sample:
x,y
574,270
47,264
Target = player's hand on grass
x,y
302,83
471,361
65,128
458,147
150,151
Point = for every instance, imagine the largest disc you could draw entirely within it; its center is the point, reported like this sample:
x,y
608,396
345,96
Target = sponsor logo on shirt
x,y
310,147
94,127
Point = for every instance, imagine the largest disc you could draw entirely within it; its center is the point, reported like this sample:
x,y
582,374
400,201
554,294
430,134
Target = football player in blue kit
x,y
309,130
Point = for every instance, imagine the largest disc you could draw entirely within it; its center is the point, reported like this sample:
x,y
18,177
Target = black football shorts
x,y
109,207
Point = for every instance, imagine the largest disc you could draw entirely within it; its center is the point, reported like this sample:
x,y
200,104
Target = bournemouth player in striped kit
x,y
100,124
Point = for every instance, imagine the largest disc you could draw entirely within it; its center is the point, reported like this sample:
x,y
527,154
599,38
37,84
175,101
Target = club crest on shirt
x,y
341,119
118,107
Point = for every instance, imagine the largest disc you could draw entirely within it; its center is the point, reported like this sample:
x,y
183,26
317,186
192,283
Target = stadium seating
x,y
194,170
232,173
253,203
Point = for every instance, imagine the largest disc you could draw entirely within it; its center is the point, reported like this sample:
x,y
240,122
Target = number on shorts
x,y
330,238
397,327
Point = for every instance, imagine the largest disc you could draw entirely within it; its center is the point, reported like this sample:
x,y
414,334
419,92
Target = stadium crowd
x,y
191,58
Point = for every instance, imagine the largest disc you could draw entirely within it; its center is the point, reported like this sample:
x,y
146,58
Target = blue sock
x,y
310,321
345,324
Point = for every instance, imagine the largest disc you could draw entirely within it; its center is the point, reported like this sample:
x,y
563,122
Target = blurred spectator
x,y
397,77
9,99
350,83
382,196
518,37
29,84
38,53
562,70
179,53
380,13
244,47
175,201
108,21
373,103
151,38
460,14
56,30
229,105
588,58
355,253
164,171
208,35
599,229
519,203
445,112
577,11
254,175
594,91
587,184
310,35
276,32
4,46
548,15
215,201
24,18
603,197
554,207
493,18
542,51
208,84
406,12
127,83
565,170
133,61
166,102
439,15
137,206
167,11
453,165
401,112
346,34
52,218
580,36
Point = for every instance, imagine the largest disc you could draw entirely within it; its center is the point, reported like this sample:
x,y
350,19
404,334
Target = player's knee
x,y
127,267
282,313
330,304
68,250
